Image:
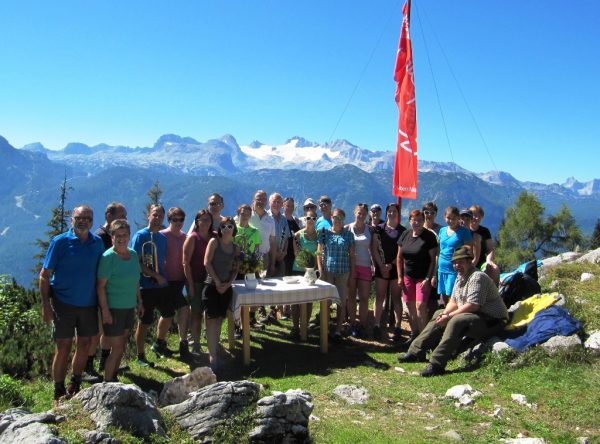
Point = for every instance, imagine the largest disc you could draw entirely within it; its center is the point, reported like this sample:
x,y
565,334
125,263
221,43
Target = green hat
x,y
463,252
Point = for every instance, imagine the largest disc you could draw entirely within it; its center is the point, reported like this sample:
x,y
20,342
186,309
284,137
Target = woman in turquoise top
x,y
118,294
305,239
451,237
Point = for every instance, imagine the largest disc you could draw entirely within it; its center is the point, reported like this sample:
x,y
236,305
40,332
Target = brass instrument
x,y
150,256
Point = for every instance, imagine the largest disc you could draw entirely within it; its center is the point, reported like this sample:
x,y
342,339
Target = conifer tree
x,y
58,224
595,239
154,195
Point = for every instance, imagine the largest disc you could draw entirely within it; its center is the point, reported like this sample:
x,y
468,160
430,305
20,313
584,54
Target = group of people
x,y
94,284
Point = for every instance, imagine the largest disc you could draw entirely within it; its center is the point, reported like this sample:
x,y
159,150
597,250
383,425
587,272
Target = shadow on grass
x,y
274,355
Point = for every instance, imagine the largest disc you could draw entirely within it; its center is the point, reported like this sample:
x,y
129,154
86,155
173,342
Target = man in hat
x,y
475,310
375,215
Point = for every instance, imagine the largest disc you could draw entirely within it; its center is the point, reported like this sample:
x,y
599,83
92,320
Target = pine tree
x,y
595,239
154,195
58,223
524,233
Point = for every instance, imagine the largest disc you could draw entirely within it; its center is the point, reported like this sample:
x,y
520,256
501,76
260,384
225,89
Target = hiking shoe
x,y
262,314
411,357
397,335
357,331
295,334
143,362
160,349
238,333
377,333
59,391
196,349
410,339
74,386
432,370
336,337
184,350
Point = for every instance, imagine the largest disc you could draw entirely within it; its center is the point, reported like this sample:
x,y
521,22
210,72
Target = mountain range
x,y
189,170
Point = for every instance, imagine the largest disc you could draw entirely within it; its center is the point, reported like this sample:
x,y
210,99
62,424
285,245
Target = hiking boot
x,y
262,314
377,333
432,370
184,351
160,348
237,333
196,349
295,334
143,362
397,336
74,386
316,321
357,331
337,337
59,391
412,357
104,354
410,339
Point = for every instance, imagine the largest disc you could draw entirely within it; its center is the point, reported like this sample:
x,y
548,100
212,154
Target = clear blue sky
x,y
126,72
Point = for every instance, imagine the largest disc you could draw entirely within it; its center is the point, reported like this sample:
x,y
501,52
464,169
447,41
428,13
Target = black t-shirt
x,y
105,236
388,238
485,235
415,252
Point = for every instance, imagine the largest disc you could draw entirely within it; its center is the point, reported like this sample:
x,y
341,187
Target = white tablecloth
x,y
277,292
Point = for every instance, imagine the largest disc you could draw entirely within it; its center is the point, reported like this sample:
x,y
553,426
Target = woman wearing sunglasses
x,y
336,262
222,267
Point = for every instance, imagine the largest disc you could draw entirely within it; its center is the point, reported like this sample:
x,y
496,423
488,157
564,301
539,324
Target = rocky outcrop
x,y
283,418
124,406
178,390
22,426
352,394
209,407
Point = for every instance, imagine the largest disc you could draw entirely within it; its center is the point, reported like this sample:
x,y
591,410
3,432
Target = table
x,y
278,292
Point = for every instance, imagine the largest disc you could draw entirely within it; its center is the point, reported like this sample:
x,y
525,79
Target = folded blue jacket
x,y
552,321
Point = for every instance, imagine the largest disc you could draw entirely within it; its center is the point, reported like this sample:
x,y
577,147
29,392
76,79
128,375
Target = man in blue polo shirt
x,y
151,247
68,289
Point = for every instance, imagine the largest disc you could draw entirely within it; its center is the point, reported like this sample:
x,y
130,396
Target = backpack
x,y
520,284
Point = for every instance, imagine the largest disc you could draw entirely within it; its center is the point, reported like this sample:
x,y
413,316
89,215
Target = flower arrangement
x,y
250,262
306,259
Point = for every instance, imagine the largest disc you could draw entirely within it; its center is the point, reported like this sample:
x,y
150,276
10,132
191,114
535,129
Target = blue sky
x,y
127,72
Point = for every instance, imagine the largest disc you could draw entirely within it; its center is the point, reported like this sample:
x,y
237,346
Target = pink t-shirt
x,y
174,260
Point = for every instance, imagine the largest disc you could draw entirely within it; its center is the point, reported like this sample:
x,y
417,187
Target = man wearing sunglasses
x,y
325,221
68,289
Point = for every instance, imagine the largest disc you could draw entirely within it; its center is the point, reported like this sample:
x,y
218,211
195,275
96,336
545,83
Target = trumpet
x,y
150,255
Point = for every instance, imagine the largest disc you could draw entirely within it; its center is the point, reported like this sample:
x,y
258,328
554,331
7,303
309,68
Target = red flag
x,y
405,168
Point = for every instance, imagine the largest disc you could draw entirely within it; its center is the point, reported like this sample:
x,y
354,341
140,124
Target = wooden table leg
x,y
230,330
324,325
246,333
303,322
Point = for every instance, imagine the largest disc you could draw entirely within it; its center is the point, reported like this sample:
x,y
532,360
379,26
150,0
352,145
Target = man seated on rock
x,y
475,310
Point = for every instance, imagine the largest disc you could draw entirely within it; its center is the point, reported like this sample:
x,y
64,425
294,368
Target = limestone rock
x,y
177,390
592,257
593,342
453,435
20,426
283,418
352,394
523,440
586,277
557,343
522,399
123,406
562,258
99,437
208,407
500,346
457,391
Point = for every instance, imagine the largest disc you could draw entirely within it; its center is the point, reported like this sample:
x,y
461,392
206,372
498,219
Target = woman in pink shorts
x,y
417,249
360,281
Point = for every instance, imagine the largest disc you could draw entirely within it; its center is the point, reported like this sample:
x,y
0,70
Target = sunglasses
x,y
311,218
375,210
227,227
338,218
82,218
324,203
214,204
428,213
177,219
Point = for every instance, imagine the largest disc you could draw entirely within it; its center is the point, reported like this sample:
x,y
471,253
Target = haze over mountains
x,y
189,170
